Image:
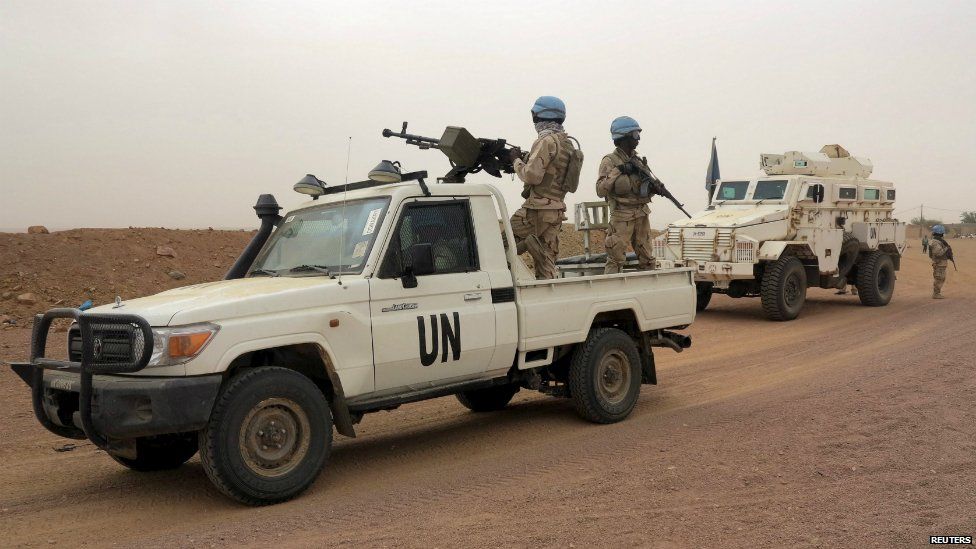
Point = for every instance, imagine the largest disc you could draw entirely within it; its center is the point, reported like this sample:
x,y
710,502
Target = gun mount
x,y
466,153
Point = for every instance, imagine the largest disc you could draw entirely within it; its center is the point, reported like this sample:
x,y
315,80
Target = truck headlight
x,y
178,344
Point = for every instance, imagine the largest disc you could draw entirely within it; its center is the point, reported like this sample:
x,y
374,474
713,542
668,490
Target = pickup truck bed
x,y
659,299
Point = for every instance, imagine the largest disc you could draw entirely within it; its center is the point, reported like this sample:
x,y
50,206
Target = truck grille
x,y
700,249
115,345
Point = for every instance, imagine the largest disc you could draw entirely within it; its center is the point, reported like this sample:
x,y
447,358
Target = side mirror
x,y
421,263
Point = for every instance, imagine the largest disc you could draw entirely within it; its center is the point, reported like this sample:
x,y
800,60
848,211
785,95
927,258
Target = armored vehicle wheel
x,y
849,250
784,288
605,376
269,435
161,452
488,400
703,295
875,279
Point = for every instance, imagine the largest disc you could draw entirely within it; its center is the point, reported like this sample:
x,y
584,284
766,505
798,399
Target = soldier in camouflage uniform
x,y
536,224
629,210
939,252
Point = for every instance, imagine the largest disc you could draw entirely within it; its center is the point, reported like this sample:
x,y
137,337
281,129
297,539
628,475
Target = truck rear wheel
x,y
269,435
703,295
605,376
875,279
161,452
489,399
784,288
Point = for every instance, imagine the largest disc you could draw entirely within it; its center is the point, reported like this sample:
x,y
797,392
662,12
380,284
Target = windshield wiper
x,y
317,268
266,272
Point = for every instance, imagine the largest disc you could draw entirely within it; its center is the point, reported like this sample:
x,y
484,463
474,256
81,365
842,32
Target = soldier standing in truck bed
x,y
551,170
629,210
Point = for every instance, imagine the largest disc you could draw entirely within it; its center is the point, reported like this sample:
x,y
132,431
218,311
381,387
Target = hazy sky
x,y
179,114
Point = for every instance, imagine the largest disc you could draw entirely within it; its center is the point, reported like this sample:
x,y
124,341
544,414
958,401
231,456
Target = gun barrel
x,y
411,138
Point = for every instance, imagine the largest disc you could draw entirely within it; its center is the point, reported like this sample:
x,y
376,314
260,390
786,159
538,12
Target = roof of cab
x,y
401,191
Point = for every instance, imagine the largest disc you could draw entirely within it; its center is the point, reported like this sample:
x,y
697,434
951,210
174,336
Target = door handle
x,y
472,297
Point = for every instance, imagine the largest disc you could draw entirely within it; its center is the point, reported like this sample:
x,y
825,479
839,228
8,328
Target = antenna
x,y
345,225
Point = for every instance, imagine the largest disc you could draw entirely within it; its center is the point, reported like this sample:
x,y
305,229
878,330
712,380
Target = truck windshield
x,y
770,190
732,190
317,241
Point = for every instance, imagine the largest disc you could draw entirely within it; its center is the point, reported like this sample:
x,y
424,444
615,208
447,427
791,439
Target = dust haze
x,y
179,114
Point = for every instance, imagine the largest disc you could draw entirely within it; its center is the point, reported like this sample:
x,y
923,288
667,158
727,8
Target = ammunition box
x,y
460,146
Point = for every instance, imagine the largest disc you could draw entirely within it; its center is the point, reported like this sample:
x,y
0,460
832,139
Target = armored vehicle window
x,y
770,190
326,239
815,192
872,194
847,193
732,190
445,226
891,195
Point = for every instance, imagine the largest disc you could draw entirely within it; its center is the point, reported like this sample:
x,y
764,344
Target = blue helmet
x,y
938,229
548,107
622,126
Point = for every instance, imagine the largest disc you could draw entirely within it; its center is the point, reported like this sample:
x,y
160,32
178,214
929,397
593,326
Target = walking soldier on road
x,y
551,170
941,253
629,211
925,243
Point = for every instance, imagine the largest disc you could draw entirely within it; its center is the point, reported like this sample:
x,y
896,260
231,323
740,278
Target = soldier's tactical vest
x,y
562,174
632,200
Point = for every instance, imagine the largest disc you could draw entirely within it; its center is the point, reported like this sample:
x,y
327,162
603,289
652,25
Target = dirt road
x,y
850,426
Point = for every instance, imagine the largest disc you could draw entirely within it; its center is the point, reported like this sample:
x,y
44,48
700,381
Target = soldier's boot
x,y
938,296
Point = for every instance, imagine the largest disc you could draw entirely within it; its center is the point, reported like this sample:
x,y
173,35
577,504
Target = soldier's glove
x,y
646,189
627,168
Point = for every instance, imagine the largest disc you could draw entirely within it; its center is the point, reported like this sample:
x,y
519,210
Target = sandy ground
x,y
851,426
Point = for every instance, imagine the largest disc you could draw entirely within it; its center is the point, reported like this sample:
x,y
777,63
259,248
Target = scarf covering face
x,y
546,127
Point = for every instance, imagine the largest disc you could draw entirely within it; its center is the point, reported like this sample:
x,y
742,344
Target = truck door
x,y
443,329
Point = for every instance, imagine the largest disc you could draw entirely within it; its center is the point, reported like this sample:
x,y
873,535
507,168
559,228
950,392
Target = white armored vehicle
x,y
814,220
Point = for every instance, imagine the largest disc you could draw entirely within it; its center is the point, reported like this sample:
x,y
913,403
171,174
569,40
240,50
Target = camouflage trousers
x,y
537,232
637,233
938,276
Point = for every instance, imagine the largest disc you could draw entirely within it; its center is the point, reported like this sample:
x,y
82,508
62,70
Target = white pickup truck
x,y
374,296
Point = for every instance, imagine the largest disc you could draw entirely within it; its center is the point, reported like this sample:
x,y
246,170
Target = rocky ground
x,y
851,426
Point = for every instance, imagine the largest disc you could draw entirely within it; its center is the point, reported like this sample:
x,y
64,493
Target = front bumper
x,y
89,399
125,407
713,271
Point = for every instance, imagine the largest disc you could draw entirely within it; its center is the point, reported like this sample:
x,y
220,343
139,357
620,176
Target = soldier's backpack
x,y
573,167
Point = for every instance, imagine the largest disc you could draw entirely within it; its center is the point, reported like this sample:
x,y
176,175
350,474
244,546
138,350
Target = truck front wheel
x,y
784,288
605,376
489,399
269,435
161,452
875,279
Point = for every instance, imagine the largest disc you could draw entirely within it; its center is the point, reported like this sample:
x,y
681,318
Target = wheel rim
x,y
274,437
791,291
613,377
884,280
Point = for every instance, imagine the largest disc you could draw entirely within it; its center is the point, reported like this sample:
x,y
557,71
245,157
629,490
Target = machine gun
x,y
466,153
650,184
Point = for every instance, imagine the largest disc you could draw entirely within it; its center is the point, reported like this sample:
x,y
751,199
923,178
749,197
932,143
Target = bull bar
x,y
97,357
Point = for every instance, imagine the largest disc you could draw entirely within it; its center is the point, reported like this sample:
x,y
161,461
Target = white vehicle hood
x,y
214,301
736,216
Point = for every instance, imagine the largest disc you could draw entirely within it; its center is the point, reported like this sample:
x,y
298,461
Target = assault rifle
x,y
950,256
650,184
466,153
